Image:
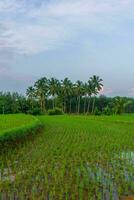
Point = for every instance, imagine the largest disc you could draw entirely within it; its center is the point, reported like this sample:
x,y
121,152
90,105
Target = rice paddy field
x,y
17,127
72,158
13,121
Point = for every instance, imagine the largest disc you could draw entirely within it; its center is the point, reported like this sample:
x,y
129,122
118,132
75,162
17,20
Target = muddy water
x,y
99,175
96,174
129,156
128,198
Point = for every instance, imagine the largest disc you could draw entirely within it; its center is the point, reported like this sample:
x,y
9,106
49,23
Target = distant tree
x,y
41,91
12,103
45,94
71,96
30,92
96,87
79,91
120,103
129,108
102,102
107,110
24,106
54,86
89,92
15,107
65,92
85,93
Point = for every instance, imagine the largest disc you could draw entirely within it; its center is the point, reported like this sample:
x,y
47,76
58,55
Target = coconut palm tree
x,y
79,91
66,85
85,89
41,90
89,92
120,104
71,96
97,86
30,93
54,86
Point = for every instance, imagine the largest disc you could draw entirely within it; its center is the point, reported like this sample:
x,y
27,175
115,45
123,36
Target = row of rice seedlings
x,y
70,162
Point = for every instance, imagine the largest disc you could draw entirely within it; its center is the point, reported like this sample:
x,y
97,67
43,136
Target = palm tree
x,y
54,85
15,103
30,92
71,96
66,85
79,90
89,92
120,103
85,88
97,86
41,89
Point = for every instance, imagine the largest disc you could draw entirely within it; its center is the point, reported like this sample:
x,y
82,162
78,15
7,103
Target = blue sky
x,y
74,38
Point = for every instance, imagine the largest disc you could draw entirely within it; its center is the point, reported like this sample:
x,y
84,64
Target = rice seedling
x,y
14,127
75,157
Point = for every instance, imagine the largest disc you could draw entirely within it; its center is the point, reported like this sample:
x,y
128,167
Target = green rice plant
x,y
75,157
55,111
27,125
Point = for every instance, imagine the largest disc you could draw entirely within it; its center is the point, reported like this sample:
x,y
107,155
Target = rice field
x,y
73,158
8,122
17,127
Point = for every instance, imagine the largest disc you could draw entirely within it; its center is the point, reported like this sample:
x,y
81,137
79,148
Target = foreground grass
x,y
76,157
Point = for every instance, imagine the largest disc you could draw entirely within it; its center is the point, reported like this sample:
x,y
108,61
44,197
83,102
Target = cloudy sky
x,y
73,38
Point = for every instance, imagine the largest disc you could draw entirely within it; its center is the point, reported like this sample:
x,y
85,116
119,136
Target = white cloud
x,y
30,29
10,6
106,91
79,7
131,93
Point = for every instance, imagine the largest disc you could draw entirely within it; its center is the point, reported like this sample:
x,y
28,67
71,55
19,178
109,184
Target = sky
x,y
67,38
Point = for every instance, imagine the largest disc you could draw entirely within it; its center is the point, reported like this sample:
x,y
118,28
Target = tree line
x,y
78,98
64,93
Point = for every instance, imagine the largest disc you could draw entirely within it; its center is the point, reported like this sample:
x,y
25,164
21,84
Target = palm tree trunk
x,y
70,106
89,100
32,104
84,105
64,106
53,102
78,104
93,105
43,104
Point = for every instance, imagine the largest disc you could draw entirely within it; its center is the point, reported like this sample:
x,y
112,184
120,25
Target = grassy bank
x,y
17,126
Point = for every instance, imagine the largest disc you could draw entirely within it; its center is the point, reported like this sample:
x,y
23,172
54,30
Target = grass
x,y
76,157
12,121
13,127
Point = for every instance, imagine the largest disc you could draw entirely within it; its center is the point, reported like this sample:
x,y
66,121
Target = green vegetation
x,y
76,157
55,111
76,98
14,127
64,92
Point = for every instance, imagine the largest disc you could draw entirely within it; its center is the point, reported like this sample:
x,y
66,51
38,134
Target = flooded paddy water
x,y
104,178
